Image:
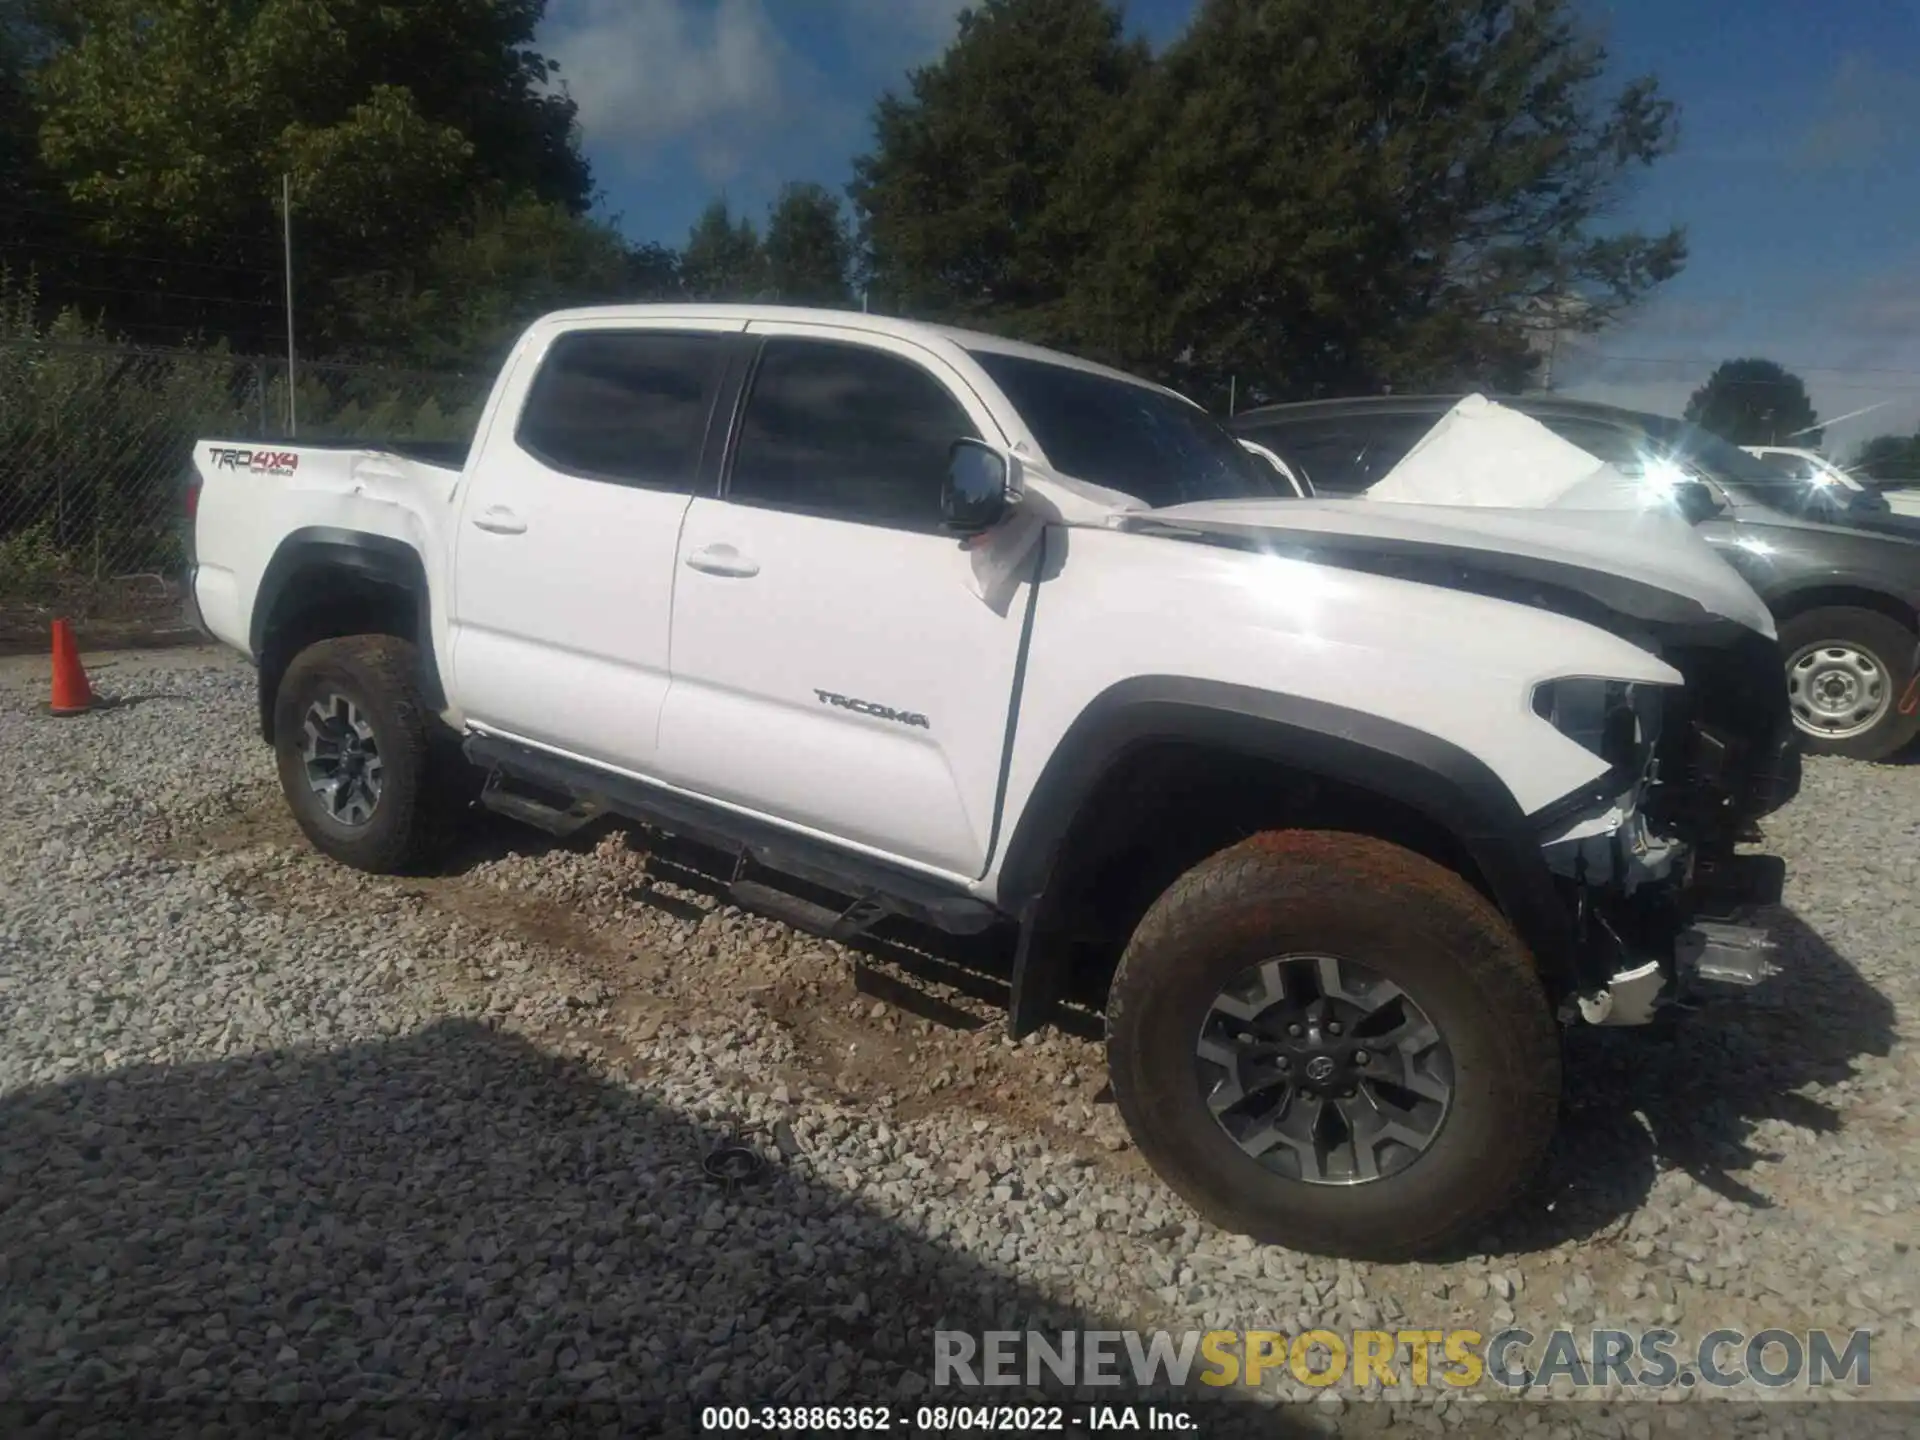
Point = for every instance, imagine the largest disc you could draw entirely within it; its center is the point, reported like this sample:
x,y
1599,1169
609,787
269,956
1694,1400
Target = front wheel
x,y
1327,1042
1850,678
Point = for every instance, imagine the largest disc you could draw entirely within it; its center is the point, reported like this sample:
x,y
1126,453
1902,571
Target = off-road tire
x,y
1414,923
1891,645
426,786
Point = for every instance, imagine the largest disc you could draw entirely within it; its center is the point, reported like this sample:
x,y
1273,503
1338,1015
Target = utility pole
x,y
1233,395
286,235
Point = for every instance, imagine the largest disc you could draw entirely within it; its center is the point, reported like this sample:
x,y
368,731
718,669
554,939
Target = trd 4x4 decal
x,y
259,462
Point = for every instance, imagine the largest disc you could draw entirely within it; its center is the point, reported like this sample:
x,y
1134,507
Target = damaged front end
x,y
1663,905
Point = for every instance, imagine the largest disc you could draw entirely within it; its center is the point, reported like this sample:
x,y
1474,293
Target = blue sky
x,y
1798,176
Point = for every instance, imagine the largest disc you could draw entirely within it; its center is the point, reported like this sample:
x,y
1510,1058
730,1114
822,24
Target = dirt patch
x,y
258,822
908,1021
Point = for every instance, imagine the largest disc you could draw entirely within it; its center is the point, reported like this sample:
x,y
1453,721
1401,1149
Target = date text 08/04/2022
x,y
939,1419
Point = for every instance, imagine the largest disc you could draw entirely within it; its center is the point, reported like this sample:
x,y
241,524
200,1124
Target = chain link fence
x,y
95,449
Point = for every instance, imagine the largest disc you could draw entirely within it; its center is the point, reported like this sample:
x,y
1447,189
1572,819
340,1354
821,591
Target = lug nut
x,y
1333,1027
1283,1063
1293,1029
1360,1057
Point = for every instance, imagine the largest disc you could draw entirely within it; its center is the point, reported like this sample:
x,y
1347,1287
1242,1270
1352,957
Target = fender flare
x,y
380,559
1445,784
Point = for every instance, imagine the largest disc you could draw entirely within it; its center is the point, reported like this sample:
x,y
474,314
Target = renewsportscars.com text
x,y
1515,1359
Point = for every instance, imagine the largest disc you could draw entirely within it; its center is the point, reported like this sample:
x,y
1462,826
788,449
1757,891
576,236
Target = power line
x,y
1697,361
163,294
56,248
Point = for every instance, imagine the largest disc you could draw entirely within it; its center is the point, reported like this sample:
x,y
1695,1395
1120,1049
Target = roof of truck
x,y
892,325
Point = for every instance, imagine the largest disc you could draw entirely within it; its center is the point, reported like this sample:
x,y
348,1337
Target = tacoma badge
x,y
867,707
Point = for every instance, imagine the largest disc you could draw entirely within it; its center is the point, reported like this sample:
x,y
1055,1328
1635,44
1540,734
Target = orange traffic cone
x,y
72,695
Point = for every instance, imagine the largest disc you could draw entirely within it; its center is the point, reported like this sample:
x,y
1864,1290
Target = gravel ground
x,y
272,1130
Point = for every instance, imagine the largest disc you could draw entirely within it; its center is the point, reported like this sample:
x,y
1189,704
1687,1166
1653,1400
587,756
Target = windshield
x,y
1126,436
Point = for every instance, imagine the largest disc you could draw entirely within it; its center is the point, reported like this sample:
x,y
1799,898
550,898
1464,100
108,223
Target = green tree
x,y
809,255
38,239
967,203
1323,194
724,259
168,124
1890,457
1755,402
482,282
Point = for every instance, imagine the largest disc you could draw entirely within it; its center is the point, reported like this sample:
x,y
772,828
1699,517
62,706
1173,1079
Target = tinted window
x,y
846,431
1344,454
1128,437
625,406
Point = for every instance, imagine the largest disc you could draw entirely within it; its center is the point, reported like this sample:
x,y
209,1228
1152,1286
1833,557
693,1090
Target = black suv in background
x,y
1842,580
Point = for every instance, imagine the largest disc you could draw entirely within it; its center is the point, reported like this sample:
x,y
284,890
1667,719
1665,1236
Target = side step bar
x,y
532,810
875,889
860,915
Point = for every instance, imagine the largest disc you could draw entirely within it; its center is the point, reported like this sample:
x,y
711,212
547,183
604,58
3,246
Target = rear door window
x,y
626,407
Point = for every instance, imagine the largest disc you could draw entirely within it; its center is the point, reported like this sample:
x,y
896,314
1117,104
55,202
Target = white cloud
x,y
1865,120
648,73
718,80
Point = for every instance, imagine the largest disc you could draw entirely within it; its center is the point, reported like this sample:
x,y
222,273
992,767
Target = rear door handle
x,y
723,560
499,520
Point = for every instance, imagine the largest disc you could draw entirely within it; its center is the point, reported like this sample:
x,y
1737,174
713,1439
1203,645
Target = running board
x,y
558,821
857,919
592,791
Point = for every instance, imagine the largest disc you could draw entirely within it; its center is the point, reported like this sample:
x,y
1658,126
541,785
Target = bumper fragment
x,y
1724,954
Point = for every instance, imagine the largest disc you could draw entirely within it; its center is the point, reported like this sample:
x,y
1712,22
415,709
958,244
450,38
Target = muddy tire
x,y
1303,972
1848,672
372,775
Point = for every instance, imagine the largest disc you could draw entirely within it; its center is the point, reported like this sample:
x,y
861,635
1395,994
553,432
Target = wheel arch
x,y
1848,594
324,582
1300,760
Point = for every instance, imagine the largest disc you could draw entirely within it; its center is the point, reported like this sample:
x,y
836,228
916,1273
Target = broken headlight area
x,y
1655,917
1614,719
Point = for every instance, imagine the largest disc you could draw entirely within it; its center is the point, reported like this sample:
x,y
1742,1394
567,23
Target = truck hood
x,y
1642,565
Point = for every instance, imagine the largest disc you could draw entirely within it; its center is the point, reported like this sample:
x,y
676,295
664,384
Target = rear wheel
x,y
1849,671
373,777
1328,1042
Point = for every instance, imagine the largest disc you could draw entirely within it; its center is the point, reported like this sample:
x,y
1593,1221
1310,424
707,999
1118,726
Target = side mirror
x,y
1695,501
979,488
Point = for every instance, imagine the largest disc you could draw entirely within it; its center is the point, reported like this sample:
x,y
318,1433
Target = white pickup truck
x,y
1349,805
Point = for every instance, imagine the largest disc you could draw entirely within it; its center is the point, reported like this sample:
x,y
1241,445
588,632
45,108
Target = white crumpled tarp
x,y
1483,453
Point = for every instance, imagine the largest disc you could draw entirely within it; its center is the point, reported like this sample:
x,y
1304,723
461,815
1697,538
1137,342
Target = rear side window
x,y
628,407
846,431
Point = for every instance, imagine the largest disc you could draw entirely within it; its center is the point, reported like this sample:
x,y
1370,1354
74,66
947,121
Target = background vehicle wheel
x,y
373,777
1328,1042
1847,671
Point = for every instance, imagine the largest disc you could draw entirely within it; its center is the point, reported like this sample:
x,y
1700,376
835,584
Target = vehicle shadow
x,y
1689,1095
450,1226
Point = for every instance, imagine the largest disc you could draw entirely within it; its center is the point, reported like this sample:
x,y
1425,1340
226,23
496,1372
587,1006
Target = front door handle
x,y
723,560
498,520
